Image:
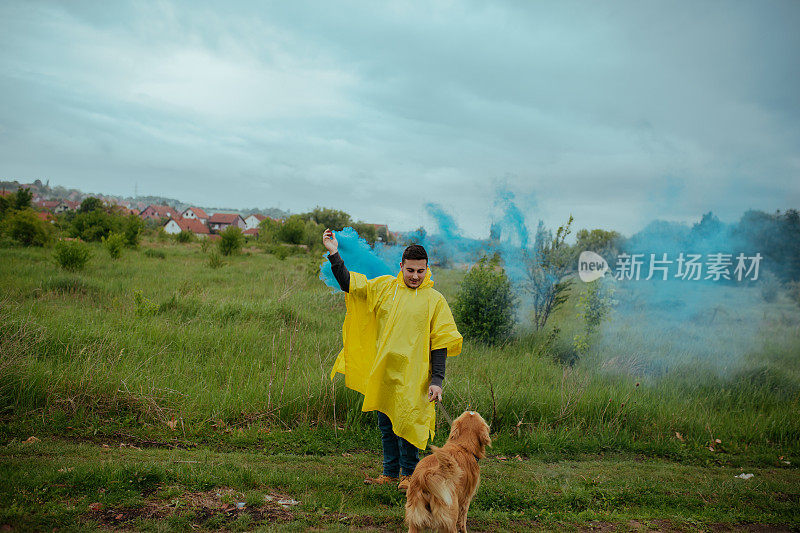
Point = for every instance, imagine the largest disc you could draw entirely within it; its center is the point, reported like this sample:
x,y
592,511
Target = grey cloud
x,y
592,107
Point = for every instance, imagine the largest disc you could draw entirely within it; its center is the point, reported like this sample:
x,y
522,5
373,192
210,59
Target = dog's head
x,y
471,431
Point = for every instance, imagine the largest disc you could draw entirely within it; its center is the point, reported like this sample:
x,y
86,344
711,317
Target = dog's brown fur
x,y
443,484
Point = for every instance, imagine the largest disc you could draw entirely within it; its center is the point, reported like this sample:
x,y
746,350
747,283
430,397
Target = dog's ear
x,y
455,430
483,436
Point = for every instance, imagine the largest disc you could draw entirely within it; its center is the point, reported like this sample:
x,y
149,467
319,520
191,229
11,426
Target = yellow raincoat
x,y
388,333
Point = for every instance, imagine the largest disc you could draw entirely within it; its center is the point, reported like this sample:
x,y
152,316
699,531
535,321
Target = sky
x,y
615,112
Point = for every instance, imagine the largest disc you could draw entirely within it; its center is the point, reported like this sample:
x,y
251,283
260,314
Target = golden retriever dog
x,y
443,484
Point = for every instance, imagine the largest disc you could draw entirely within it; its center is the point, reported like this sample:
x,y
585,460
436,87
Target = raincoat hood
x,y
427,281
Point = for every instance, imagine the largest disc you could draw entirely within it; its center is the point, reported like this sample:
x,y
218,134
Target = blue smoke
x,y
358,257
656,325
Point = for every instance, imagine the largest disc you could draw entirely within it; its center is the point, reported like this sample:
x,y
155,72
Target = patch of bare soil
x,y
225,503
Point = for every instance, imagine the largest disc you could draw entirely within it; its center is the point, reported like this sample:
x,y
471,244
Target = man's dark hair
x,y
415,251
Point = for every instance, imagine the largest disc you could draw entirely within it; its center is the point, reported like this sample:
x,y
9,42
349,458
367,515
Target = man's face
x,y
414,271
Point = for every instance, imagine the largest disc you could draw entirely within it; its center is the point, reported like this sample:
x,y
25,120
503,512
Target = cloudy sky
x,y
615,112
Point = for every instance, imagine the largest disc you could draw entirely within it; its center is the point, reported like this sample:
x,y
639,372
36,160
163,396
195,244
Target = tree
x,y
313,233
385,236
268,230
330,218
546,271
605,243
5,205
417,236
484,308
366,232
90,204
22,199
293,230
775,236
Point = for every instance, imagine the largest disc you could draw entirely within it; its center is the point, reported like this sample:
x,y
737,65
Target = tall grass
x,y
254,341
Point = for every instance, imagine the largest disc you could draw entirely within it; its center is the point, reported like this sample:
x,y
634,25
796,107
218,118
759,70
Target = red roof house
x,y
44,216
177,225
220,221
157,212
196,213
254,220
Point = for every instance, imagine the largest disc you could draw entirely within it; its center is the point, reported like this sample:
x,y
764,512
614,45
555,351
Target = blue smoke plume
x,y
656,325
358,257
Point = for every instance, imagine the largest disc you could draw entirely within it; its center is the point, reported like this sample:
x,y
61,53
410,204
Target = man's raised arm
x,y
340,271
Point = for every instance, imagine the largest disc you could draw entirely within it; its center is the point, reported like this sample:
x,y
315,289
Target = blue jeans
x,y
399,455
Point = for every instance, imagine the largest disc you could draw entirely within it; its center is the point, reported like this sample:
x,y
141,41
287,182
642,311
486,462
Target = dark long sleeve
x,y
340,271
438,358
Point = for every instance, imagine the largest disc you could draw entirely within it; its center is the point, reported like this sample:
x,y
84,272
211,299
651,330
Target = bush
x,y
144,307
95,225
185,236
268,231
292,231
26,228
594,304
72,255
155,254
215,260
70,284
231,241
794,291
547,270
282,251
770,287
114,244
484,308
132,230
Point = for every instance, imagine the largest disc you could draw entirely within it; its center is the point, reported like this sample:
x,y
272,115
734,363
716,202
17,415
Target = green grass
x,y
254,341
158,346
54,483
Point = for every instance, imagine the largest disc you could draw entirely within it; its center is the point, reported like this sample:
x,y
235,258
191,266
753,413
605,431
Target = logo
x,y
591,266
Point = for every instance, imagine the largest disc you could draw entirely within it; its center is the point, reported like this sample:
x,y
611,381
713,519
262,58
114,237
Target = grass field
x,y
229,368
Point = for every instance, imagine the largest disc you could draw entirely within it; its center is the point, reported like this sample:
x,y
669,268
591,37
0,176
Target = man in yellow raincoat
x,y
397,334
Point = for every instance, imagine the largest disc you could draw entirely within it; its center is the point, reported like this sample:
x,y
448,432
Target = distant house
x,y
219,221
44,216
254,220
57,206
252,232
177,225
195,213
157,212
122,210
50,205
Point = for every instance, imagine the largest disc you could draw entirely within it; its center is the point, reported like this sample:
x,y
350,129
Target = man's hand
x,y
434,393
330,242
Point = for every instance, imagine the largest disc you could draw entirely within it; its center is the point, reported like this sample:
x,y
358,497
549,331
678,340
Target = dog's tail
x,y
432,492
